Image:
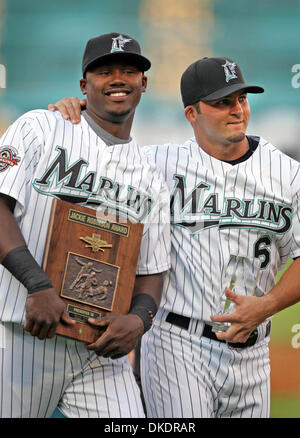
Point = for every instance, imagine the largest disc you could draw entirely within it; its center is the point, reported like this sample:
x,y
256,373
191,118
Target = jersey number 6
x,y
262,250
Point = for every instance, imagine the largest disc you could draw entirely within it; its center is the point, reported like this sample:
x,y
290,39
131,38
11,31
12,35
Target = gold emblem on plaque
x,y
95,243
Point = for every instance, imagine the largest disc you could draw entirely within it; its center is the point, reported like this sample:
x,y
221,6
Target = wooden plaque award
x,y
92,265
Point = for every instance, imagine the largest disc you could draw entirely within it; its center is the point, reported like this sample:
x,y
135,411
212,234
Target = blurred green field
x,y
287,406
284,320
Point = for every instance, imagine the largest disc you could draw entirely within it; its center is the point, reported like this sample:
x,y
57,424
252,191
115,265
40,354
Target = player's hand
x,y
44,309
69,107
247,316
120,337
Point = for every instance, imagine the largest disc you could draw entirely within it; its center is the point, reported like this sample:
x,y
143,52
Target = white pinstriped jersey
x,y
250,209
42,156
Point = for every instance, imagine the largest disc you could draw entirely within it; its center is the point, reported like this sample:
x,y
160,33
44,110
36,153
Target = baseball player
x,y
95,163
235,220
234,199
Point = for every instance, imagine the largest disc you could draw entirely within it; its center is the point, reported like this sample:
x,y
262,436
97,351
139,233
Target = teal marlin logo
x,y
229,70
118,44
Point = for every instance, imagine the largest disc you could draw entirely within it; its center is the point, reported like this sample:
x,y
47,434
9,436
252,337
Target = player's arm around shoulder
x,y
69,107
122,332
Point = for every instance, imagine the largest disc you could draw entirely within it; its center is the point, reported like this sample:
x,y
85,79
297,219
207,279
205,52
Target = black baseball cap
x,y
213,78
107,46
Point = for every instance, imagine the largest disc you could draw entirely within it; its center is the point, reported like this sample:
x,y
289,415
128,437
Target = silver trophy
x,y
241,277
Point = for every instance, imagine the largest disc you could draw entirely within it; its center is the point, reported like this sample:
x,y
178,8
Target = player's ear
x,y
144,83
191,113
83,85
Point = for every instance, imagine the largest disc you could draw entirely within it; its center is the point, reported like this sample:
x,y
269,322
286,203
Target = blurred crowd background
x,y
41,47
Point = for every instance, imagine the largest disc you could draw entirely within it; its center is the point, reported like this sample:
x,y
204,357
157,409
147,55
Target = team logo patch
x,y
8,157
229,70
119,43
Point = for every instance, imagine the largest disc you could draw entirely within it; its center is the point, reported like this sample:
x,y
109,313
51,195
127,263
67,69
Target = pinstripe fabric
x,y
249,209
74,164
185,375
41,138
199,258
61,372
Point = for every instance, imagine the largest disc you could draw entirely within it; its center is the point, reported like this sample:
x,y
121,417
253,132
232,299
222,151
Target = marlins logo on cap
x,y
229,70
113,46
118,43
209,79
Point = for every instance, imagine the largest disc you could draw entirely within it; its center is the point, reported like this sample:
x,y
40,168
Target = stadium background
x,y
41,45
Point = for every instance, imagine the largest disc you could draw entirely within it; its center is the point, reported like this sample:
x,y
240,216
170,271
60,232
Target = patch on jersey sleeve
x,y
8,157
